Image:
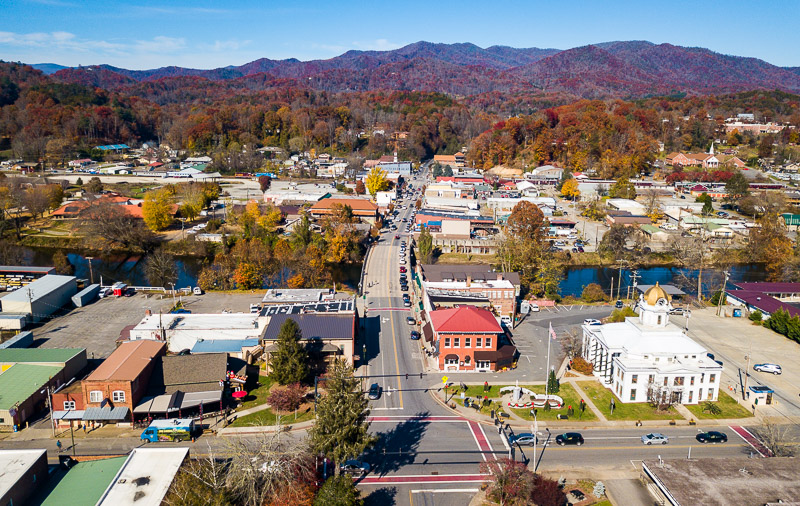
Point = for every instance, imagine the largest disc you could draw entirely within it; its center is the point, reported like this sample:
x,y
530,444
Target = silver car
x,y
655,438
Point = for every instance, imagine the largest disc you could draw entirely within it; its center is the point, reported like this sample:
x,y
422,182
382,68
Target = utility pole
x,y
611,294
91,277
50,405
722,293
619,286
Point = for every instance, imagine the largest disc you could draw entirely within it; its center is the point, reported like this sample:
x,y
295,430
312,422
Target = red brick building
x,y
122,378
468,338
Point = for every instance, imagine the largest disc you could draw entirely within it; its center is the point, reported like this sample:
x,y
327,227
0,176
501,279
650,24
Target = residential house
x,y
468,338
326,336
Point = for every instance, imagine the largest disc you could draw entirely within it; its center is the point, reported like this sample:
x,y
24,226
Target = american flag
x,y
552,333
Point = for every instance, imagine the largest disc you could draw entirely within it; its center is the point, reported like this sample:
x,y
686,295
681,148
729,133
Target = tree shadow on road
x,y
381,497
398,447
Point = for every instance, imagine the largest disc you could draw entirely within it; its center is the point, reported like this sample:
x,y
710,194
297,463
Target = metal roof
x,y
15,463
315,326
112,147
223,345
26,268
20,381
338,306
84,483
40,288
145,477
106,413
39,355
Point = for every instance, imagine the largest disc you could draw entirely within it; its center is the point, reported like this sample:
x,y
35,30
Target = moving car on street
x,y
712,437
655,438
592,321
414,335
354,467
569,438
523,438
374,392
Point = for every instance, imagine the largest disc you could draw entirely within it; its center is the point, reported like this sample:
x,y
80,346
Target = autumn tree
x,y
593,292
342,428
114,224
264,182
614,241
769,244
360,188
376,181
570,189
622,189
94,185
61,264
247,276
510,482
157,209
37,200
526,221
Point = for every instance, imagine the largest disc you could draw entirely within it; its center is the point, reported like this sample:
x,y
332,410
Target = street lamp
x,y
173,295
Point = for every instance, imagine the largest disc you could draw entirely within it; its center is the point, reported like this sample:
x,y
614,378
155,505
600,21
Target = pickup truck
x,y
175,429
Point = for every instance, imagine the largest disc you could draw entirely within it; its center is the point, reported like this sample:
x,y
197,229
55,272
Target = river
x,y
130,268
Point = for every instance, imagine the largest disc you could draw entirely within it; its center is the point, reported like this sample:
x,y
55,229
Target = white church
x,y
647,355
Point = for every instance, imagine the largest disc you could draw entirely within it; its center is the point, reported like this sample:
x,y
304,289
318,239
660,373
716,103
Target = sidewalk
x,y
265,429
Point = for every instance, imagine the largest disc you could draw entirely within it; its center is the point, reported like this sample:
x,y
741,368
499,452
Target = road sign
x,y
444,379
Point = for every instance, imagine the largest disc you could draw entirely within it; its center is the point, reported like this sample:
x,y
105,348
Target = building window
x,y
478,341
634,379
691,380
456,342
665,381
446,342
710,394
712,378
678,381
95,396
118,396
68,405
467,342
633,394
651,378
451,361
488,342
700,395
690,396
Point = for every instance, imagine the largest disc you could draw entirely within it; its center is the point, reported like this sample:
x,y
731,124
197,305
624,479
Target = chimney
x,y
148,313
499,276
469,280
395,157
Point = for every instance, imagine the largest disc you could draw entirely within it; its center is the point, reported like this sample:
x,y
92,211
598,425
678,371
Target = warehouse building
x,y
42,297
22,472
14,276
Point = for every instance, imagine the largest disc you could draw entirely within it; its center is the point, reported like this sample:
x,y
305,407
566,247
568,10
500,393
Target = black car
x,y
404,288
619,304
374,392
712,437
414,335
569,438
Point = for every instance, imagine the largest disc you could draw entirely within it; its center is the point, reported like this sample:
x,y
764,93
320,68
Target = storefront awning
x,y
159,404
106,414
72,414
193,399
451,356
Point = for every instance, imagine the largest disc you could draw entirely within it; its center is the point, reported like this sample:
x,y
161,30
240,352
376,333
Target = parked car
x,y
772,368
403,288
534,308
415,335
197,290
354,467
655,438
406,303
592,321
712,437
396,236
523,438
619,304
402,269
374,391
569,438
676,311
410,320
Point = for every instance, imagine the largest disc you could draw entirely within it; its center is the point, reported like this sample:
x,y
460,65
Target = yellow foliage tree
x,y
157,210
296,281
376,181
270,219
570,189
338,248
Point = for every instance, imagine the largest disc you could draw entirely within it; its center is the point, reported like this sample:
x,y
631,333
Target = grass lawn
x,y
570,397
730,409
602,396
267,417
258,395
477,390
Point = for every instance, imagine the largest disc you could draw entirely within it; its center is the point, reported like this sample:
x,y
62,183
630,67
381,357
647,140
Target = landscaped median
x,y
570,397
601,397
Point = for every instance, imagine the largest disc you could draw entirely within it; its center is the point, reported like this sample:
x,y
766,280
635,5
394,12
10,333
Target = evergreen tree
x,y
338,491
425,245
341,430
289,362
553,385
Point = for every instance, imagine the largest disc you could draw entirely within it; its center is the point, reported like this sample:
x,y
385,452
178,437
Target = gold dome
x,y
654,293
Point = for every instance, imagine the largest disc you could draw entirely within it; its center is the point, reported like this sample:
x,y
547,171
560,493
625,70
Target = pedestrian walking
x,y
58,445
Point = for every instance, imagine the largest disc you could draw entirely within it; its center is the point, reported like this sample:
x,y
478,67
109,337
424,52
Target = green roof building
x,y
84,483
20,390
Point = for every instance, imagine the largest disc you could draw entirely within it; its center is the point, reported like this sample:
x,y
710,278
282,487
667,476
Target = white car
x,y
655,438
592,321
534,308
771,368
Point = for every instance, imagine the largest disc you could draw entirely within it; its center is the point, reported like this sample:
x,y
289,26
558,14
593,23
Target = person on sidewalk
x,y
58,445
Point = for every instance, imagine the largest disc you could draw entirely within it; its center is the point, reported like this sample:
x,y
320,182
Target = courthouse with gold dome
x,y
647,356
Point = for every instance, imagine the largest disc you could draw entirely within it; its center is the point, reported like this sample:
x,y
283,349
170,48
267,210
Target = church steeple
x,y
711,151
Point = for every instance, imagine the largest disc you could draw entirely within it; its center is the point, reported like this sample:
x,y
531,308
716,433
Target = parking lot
x,y
97,326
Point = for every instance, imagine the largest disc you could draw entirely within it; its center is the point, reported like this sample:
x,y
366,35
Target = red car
x,y
397,236
402,269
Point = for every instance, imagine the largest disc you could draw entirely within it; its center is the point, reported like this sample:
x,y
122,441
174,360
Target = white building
x,y
183,330
647,356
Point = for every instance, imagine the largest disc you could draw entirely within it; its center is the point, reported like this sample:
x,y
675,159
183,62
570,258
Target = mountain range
x,y
624,69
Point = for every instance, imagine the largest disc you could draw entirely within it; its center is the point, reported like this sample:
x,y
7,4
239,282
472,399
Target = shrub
x,y
619,315
599,489
288,398
714,300
756,316
712,408
582,366
547,492
593,292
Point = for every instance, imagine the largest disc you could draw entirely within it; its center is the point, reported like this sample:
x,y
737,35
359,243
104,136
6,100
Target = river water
x,y
130,269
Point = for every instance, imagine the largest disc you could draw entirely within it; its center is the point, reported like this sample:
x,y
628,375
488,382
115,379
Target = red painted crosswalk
x,y
751,440
409,479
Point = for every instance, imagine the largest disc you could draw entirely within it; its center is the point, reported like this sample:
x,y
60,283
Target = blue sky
x,y
207,34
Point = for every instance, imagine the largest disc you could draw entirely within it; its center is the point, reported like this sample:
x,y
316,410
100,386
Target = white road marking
x,y
446,490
